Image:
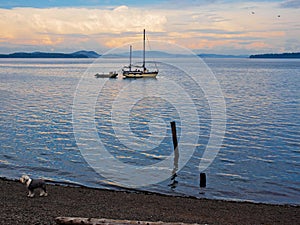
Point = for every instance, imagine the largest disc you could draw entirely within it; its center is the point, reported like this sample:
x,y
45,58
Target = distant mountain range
x,y
161,54
137,54
92,54
222,56
295,55
79,54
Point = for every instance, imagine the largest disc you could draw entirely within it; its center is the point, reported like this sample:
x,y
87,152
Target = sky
x,y
216,26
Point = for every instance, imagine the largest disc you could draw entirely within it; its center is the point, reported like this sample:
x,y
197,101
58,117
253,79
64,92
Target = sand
x,y
17,208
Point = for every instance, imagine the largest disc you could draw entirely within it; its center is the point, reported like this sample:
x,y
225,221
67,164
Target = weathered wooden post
x,y
174,135
176,155
202,180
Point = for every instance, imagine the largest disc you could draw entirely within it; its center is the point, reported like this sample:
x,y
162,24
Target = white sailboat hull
x,y
139,74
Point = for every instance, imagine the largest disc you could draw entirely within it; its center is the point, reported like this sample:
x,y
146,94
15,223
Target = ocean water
x,y
259,159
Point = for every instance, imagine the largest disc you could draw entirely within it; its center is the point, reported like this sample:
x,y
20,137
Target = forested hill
x,y
79,54
295,55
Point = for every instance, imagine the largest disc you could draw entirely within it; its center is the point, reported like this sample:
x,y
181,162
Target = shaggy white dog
x,y
34,184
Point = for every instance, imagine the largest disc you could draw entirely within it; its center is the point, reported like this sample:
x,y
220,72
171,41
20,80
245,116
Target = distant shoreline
x,y
91,54
295,55
79,54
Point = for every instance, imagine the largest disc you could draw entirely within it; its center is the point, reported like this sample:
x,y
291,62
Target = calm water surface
x,y
258,161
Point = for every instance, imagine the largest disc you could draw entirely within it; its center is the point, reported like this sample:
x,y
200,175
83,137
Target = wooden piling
x,y
176,155
174,135
202,180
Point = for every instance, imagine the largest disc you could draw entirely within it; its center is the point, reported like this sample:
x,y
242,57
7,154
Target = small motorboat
x,y
106,75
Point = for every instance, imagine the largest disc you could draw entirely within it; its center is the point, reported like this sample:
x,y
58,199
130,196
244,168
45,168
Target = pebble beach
x,y
67,201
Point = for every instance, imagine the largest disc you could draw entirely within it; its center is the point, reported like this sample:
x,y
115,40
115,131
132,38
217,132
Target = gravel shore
x,y
17,208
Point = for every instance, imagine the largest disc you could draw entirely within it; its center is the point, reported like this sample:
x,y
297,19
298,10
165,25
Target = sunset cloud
x,y
79,20
52,26
245,26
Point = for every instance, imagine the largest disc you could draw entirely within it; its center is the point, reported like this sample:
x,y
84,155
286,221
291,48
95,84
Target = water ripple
x,y
258,161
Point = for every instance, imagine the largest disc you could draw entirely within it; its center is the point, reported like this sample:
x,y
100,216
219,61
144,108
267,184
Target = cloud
x,y
51,26
210,26
290,4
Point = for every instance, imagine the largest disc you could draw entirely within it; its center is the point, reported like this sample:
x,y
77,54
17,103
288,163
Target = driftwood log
x,y
94,221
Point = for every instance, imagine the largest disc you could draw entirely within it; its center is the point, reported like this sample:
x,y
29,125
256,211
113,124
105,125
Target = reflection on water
x,y
258,161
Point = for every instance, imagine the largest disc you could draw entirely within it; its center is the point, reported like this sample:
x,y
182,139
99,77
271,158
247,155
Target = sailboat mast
x,y
130,56
144,50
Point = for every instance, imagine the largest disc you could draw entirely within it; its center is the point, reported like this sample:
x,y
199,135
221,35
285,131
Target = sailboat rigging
x,y
142,72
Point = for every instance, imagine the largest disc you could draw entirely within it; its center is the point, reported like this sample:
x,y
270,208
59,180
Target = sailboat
x,y
139,71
